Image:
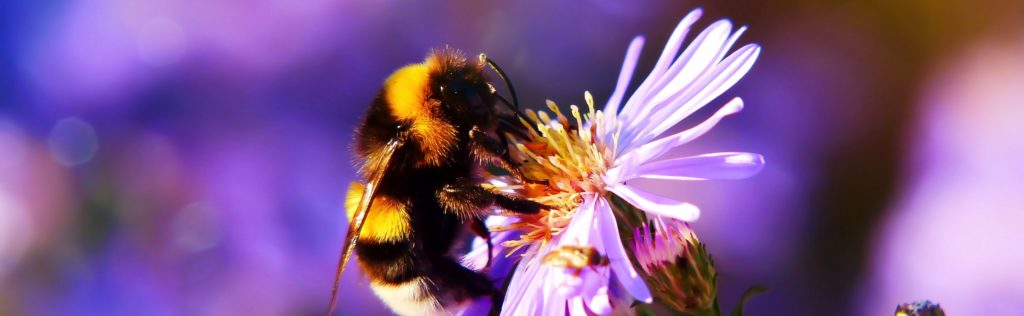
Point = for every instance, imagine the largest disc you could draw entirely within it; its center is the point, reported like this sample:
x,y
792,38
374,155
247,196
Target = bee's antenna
x,y
514,105
501,74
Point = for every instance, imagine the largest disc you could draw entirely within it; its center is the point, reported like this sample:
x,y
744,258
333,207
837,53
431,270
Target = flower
x,y
582,169
677,266
920,308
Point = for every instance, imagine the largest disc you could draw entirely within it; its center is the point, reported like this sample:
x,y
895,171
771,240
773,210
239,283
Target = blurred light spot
x,y
161,42
73,142
196,227
955,235
12,145
13,232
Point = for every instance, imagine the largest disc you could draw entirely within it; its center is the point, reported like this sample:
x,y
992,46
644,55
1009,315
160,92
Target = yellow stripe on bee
x,y
407,90
407,94
387,219
436,138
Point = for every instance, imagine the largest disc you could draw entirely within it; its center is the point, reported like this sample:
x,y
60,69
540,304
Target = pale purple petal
x,y
546,291
732,40
730,71
664,61
699,57
616,253
653,203
599,302
534,287
625,166
568,285
628,66
579,230
684,73
524,296
708,87
597,278
576,307
554,304
714,166
591,289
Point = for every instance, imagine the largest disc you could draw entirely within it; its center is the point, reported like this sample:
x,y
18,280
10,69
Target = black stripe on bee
x,y
388,262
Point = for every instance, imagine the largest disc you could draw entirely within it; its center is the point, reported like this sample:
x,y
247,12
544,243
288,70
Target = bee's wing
x,y
377,167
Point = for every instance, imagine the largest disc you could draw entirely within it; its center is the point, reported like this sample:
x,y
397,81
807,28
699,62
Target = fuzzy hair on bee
x,y
421,149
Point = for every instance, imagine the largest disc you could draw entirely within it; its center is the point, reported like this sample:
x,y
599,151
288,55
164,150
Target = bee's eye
x,y
457,89
401,127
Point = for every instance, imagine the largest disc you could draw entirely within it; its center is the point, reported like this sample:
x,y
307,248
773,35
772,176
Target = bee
x,y
574,258
423,144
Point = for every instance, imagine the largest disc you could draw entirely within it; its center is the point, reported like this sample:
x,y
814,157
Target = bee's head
x,y
436,101
461,88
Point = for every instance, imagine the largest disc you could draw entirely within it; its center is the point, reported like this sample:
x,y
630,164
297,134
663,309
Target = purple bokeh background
x,y
191,157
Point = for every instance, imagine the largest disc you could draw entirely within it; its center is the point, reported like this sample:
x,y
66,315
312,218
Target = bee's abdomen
x,y
413,283
397,279
388,262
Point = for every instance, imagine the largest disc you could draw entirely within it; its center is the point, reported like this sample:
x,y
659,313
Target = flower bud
x,y
920,308
676,265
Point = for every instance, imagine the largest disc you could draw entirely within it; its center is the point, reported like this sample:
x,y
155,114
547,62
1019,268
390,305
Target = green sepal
x,y
692,277
753,290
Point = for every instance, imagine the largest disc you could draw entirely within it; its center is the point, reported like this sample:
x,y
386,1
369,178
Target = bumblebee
x,y
422,146
574,258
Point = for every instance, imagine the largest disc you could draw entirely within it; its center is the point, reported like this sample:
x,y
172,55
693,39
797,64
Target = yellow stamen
x,y
563,161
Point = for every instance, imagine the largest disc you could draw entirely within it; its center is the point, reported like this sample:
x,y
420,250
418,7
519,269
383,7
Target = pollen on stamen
x,y
562,159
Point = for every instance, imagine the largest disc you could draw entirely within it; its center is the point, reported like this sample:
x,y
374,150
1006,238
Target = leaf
x,y
753,290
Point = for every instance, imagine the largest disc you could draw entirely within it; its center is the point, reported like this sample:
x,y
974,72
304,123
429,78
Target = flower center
x,y
560,162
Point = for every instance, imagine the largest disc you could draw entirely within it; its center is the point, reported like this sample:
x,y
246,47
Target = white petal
x,y
617,256
625,165
628,66
653,203
727,165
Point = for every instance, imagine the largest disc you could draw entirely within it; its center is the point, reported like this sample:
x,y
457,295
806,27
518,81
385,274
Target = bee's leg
x,y
518,204
450,275
495,150
468,200
513,126
486,146
480,229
